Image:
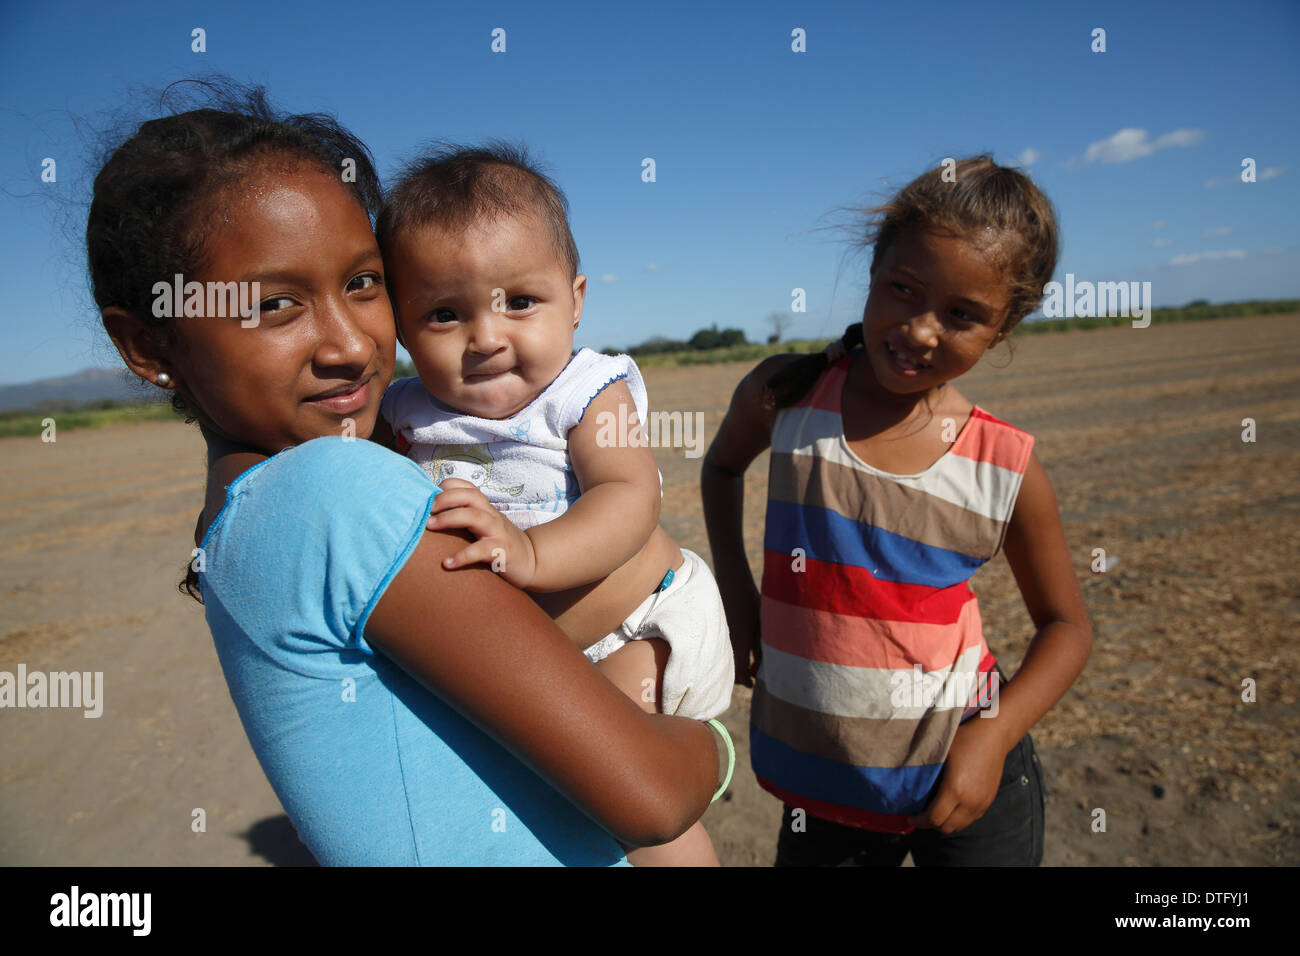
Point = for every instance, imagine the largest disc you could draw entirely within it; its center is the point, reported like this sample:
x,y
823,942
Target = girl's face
x,y
937,303
322,350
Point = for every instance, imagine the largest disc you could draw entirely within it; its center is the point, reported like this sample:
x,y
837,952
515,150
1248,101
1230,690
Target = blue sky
x,y
756,147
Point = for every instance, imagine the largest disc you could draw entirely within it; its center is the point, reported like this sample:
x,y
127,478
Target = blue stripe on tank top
x,y
877,789
826,535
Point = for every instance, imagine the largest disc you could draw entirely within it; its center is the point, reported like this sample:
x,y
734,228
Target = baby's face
x,y
487,315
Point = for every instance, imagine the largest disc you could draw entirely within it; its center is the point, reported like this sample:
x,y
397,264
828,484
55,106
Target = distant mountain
x,y
88,385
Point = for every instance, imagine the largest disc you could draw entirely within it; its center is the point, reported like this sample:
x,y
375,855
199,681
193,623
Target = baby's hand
x,y
500,544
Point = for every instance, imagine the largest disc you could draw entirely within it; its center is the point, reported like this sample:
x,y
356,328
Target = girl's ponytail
x,y
795,380
985,200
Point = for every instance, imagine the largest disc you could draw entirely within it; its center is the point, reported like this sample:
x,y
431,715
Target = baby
x,y
483,275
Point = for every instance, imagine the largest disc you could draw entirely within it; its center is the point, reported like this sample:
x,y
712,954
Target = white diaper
x,y
688,615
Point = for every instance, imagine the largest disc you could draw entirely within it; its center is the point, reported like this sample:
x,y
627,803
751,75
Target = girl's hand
x,y
971,774
500,544
746,644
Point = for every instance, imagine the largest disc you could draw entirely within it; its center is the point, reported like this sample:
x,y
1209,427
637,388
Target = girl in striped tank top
x,y
878,716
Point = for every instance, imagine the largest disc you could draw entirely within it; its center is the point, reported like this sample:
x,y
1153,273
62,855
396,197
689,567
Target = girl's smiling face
x,y
937,303
322,350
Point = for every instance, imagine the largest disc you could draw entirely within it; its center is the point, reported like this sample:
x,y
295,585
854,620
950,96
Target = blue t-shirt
x,y
372,768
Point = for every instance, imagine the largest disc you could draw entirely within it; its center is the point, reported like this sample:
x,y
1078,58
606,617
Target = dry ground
x,y
1141,431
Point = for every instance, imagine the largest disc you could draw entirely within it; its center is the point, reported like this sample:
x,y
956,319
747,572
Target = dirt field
x,y
1140,430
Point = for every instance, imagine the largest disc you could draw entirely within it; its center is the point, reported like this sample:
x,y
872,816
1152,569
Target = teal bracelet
x,y
731,757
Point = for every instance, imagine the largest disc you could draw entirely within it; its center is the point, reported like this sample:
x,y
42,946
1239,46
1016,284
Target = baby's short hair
x,y
454,187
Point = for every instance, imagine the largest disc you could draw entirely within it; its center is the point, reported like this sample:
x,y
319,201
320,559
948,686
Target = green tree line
x,y
707,346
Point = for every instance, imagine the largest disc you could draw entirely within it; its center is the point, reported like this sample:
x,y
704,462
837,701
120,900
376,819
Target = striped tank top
x,y
873,652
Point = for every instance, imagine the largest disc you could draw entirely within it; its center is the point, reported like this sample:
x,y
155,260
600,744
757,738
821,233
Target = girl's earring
x,y
163,379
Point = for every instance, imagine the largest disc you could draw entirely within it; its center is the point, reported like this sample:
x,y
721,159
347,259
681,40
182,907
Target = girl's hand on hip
x,y
500,544
746,640
971,775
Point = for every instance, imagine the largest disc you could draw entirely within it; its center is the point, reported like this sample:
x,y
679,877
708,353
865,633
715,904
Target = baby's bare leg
x,y
637,669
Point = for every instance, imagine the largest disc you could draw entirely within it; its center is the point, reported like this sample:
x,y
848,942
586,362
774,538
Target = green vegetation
x,y
95,415
709,346
749,352
661,351
1192,312
705,340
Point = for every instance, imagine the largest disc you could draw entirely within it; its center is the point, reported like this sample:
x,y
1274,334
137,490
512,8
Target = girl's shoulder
x,y
989,420
773,364
333,510
979,419
990,440
754,407
753,387
781,381
324,487
337,465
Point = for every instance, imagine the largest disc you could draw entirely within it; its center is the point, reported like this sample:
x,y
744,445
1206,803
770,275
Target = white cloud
x,y
1158,224
1028,157
1161,243
652,267
1271,172
1217,231
1210,256
1132,143
608,278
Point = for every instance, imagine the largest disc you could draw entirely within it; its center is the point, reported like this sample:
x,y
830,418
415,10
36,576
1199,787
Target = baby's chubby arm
x,y
619,506
610,522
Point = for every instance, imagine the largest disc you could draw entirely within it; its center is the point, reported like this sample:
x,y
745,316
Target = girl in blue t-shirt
x,y
234,265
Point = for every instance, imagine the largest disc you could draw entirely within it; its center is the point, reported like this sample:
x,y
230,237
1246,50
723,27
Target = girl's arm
x,y
1040,560
619,506
744,434
489,651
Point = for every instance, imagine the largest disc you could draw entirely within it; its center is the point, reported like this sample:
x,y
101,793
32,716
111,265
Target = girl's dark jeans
x,y
1010,833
